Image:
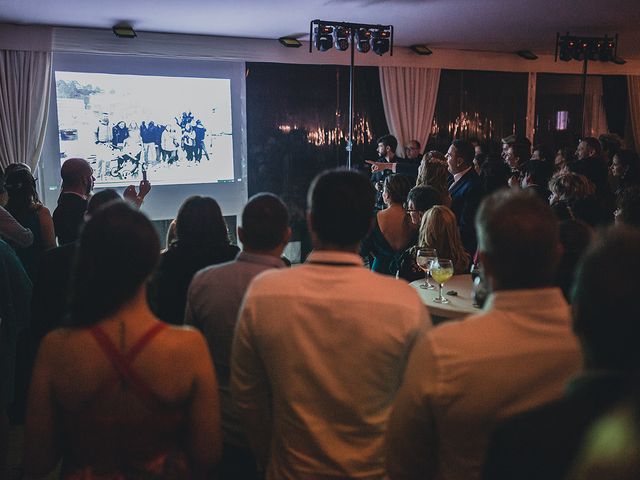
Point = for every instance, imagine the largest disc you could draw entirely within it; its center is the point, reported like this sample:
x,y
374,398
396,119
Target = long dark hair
x,y
23,197
200,225
118,250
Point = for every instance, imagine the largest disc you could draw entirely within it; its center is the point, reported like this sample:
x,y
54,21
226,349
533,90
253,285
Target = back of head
x,y
593,143
424,197
73,170
439,230
397,187
465,150
539,172
570,186
605,304
631,162
341,204
494,175
611,143
200,224
100,199
265,220
629,206
389,141
518,235
118,250
433,172
21,187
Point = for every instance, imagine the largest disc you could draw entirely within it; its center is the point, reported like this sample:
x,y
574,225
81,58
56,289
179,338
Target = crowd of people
x,y
204,360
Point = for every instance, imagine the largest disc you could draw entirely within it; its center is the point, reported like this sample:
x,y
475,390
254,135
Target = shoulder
x,y
187,342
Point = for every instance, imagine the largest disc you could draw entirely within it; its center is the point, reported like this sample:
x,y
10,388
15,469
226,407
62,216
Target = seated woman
x,y
573,198
438,230
393,231
625,170
26,208
202,239
120,394
419,201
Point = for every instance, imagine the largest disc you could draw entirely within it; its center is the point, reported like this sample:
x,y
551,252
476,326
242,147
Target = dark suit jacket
x,y
466,195
541,444
68,217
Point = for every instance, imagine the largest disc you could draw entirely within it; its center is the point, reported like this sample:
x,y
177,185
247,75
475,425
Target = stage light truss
x,y
325,34
579,47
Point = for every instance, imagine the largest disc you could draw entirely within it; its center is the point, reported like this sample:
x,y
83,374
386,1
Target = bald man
x,y
77,183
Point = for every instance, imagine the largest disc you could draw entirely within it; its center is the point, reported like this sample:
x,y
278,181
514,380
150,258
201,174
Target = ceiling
x,y
494,25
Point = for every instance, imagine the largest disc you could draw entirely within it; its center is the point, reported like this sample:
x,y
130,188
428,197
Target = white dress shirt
x,y
318,356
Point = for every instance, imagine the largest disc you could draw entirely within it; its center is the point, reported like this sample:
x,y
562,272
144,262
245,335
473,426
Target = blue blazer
x,y
466,195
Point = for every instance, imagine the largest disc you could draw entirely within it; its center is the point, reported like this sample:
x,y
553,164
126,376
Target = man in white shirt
x,y
466,376
320,350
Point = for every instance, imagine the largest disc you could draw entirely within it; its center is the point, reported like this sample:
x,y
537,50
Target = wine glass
x,y
441,271
424,257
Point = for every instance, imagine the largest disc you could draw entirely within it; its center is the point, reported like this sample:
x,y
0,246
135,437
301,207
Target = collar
x,y
526,299
332,257
83,197
459,175
260,259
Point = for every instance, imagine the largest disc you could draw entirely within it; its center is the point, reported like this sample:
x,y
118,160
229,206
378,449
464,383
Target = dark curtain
x,y
615,99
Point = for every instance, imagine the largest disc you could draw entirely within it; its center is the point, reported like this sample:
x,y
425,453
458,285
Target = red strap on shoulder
x,y
122,362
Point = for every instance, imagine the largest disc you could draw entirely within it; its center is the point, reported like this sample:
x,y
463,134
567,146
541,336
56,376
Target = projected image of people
x,y
176,130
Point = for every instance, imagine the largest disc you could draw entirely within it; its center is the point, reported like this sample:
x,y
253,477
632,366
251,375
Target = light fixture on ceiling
x,y
124,31
583,48
527,54
290,42
421,49
323,37
619,61
363,40
380,41
341,35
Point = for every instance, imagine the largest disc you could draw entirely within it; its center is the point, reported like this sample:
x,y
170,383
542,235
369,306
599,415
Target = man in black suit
x,y
542,443
465,189
77,183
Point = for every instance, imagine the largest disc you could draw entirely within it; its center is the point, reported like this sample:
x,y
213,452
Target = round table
x,y
459,305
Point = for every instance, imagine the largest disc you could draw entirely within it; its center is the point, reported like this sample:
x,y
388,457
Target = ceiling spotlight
x,y
380,41
341,38
323,37
363,39
604,49
527,54
618,60
290,42
124,31
421,49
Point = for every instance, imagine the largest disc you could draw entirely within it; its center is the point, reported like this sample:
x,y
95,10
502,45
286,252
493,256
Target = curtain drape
x,y
25,84
595,118
409,97
633,83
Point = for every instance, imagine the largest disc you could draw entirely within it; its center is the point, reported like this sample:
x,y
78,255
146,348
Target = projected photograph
x,y
177,130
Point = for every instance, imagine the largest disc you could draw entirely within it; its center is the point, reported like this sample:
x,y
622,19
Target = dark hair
x,y
341,204
606,313
100,199
611,143
545,154
200,225
265,219
575,236
118,250
593,144
398,186
23,196
389,141
629,159
539,171
514,225
424,197
494,175
465,150
629,206
522,152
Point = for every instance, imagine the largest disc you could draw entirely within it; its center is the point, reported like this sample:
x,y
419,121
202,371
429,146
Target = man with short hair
x,y
591,164
412,151
464,377
77,183
542,444
536,175
318,352
465,189
386,164
213,302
